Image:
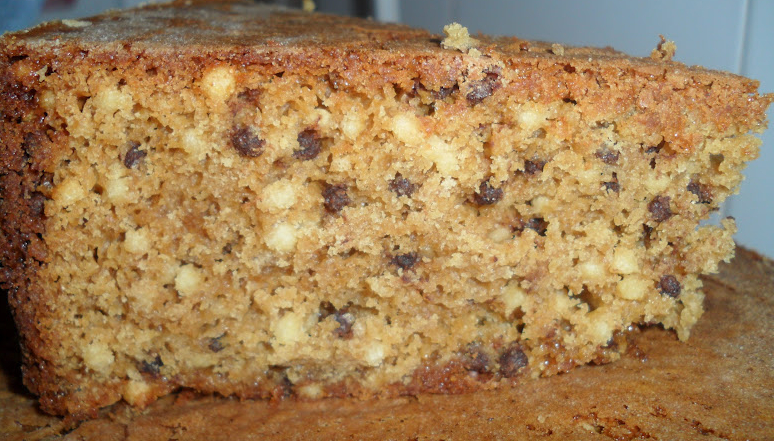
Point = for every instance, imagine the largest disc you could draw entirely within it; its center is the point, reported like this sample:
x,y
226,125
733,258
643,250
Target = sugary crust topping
x,y
237,26
248,33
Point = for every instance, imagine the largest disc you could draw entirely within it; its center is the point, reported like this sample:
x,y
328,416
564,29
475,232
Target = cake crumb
x,y
309,6
457,37
665,50
557,49
75,23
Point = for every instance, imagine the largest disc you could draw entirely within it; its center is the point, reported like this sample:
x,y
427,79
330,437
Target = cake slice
x,y
259,202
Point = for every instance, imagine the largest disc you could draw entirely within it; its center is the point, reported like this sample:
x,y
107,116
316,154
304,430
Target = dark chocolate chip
x,y
609,157
475,359
483,88
215,344
668,285
151,367
701,191
326,309
444,92
512,360
283,386
343,316
134,155
534,166
538,224
659,208
613,184
33,141
336,197
309,141
345,319
250,95
247,143
402,186
487,195
416,87
405,261
37,204
656,148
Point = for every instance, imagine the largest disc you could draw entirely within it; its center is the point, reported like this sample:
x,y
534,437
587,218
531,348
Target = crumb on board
x,y
665,50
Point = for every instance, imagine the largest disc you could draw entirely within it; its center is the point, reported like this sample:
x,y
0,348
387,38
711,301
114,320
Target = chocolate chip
x,y
37,204
402,186
247,143
701,191
416,87
405,261
613,184
487,195
326,309
655,148
215,344
475,359
345,319
483,88
250,95
152,367
309,141
659,208
668,285
609,157
343,316
512,360
534,166
134,155
538,224
444,92
33,143
283,386
336,197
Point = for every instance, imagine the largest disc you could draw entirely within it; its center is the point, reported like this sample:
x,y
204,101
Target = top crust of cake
x,y
238,30
210,27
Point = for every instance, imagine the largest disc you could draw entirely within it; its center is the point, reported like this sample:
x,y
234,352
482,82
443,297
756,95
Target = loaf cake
x,y
258,202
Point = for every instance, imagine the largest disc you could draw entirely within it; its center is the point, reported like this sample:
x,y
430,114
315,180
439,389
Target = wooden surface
x,y
718,385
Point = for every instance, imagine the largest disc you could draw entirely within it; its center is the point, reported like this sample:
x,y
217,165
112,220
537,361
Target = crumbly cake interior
x,y
275,229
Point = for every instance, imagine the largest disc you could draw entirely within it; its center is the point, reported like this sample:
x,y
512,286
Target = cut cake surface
x,y
262,203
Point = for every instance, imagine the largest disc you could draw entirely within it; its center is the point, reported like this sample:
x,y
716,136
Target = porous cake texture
x,y
264,203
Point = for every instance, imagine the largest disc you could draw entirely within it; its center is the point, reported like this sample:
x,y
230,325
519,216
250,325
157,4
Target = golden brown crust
x,y
717,385
208,32
25,160
359,53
